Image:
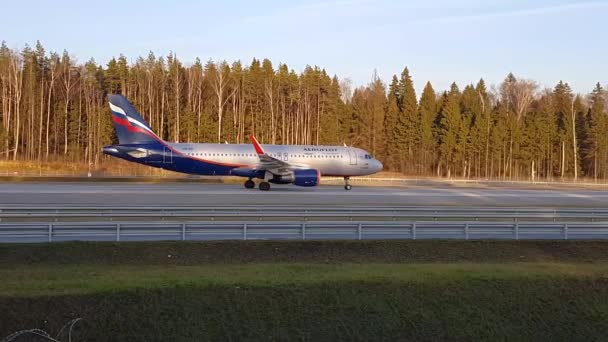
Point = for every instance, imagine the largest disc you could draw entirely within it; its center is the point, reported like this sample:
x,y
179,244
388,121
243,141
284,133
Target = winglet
x,y
256,145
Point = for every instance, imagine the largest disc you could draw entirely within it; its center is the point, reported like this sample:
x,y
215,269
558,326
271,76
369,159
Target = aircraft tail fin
x,y
130,127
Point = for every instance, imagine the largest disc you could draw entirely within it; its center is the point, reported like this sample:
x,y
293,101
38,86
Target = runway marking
x,y
582,196
271,194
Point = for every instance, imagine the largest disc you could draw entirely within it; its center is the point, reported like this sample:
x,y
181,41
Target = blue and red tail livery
x,y
130,127
300,165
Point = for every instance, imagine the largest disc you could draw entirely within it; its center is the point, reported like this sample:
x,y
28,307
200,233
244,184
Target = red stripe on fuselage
x,y
133,129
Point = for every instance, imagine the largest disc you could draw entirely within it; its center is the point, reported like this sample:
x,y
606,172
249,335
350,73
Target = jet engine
x,y
300,177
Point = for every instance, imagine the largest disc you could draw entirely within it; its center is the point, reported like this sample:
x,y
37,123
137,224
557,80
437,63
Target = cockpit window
x,y
368,156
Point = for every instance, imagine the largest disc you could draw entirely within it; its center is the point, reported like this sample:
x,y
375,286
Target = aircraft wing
x,y
269,163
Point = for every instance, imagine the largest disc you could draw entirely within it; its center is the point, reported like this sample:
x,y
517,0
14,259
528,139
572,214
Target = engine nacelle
x,y
299,177
306,177
247,172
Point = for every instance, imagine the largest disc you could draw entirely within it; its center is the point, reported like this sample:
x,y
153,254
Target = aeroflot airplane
x,y
301,165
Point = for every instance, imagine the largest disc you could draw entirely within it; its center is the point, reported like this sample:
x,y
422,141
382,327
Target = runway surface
x,y
135,194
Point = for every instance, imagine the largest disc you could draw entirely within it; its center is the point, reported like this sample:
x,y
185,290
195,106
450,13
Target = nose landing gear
x,y
347,185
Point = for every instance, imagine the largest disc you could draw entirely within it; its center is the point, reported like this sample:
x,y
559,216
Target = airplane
x,y
301,165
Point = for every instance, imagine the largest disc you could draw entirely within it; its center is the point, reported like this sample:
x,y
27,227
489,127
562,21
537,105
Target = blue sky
x,y
439,40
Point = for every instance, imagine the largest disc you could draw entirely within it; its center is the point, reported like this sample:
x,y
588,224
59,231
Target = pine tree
x,y
564,108
390,125
483,125
469,134
596,139
112,77
376,111
449,129
427,113
406,128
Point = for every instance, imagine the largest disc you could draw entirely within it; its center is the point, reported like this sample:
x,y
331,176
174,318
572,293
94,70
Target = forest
x,y
54,109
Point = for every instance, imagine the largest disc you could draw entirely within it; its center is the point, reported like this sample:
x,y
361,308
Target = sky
x,y
441,41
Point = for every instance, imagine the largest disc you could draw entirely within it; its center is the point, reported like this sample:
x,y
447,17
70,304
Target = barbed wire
x,y
43,334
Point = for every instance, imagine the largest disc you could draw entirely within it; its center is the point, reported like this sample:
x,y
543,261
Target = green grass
x,y
309,291
316,302
50,281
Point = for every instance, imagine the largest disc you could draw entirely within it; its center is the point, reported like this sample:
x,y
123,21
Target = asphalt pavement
x,y
189,194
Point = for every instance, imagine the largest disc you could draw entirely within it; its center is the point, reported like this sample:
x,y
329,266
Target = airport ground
x,y
309,291
196,193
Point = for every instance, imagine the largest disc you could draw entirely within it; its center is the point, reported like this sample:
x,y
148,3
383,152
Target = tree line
x,y
54,108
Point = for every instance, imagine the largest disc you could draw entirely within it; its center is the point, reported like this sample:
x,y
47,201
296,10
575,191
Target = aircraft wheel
x,y
249,184
347,187
264,186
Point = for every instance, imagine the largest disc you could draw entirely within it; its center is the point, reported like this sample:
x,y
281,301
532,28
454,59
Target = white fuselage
x,y
329,160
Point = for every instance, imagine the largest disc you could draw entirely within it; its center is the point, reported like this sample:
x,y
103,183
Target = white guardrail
x,y
47,224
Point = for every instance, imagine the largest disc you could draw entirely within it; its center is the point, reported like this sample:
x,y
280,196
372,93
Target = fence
x,y
294,212
41,224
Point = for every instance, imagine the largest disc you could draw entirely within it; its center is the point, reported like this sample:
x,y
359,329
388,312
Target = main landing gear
x,y
347,185
249,184
264,186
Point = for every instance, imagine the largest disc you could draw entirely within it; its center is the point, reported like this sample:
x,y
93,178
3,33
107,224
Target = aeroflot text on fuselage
x,y
315,149
300,165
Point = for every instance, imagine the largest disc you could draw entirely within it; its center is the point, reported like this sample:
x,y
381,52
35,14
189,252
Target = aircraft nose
x,y
378,166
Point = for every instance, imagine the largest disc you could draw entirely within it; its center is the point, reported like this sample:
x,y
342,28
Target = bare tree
x,y
17,80
220,79
346,90
68,84
54,65
524,93
269,86
518,94
177,88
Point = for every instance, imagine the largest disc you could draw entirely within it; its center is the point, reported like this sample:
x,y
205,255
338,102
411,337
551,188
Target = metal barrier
x,y
289,230
38,224
307,213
